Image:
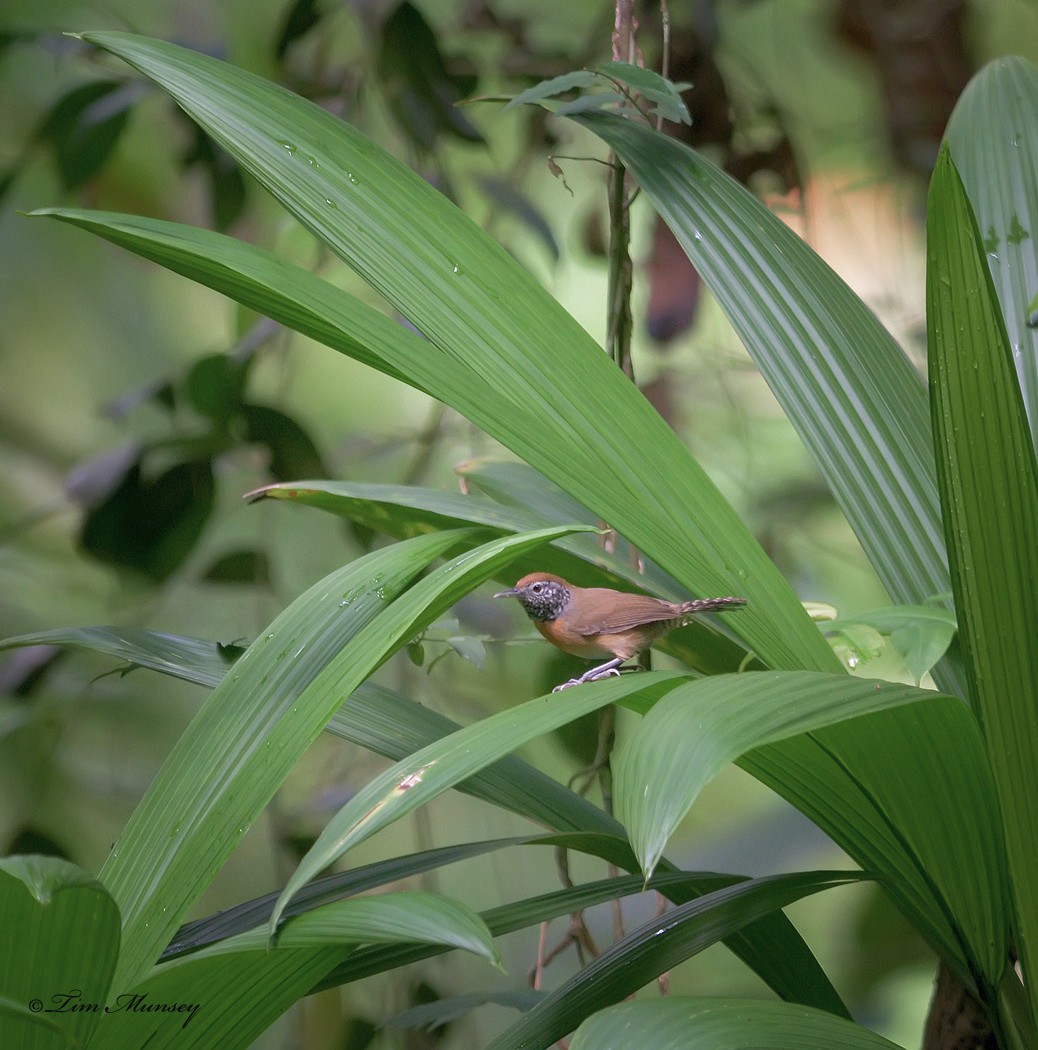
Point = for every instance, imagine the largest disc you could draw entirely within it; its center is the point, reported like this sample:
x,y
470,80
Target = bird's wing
x,y
637,609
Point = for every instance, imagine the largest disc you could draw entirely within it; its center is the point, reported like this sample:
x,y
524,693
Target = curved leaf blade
x,y
698,728
475,303
61,942
328,889
847,387
191,659
438,766
658,946
720,1024
239,747
989,484
919,807
257,722
993,138
401,917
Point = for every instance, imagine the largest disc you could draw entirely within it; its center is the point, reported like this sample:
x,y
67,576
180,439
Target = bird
x,y
594,622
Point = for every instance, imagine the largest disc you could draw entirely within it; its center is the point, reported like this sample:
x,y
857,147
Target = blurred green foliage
x,y
136,408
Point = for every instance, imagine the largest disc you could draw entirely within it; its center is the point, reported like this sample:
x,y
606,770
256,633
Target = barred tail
x,y
701,605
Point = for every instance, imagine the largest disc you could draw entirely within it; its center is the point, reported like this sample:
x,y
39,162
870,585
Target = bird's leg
x,y
605,670
600,764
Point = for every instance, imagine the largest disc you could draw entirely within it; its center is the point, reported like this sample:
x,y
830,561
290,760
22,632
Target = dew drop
x,y
330,202
289,146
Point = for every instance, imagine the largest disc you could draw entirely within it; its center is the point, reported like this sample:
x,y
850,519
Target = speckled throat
x,y
545,601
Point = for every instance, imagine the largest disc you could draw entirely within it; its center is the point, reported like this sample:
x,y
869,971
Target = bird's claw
x,y
590,676
613,672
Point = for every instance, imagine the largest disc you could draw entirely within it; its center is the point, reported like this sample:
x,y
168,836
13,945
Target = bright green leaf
x,y
698,728
438,766
989,486
720,1024
61,940
519,348
847,387
993,138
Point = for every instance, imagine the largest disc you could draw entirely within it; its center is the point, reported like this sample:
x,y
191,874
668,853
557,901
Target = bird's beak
x,y
512,593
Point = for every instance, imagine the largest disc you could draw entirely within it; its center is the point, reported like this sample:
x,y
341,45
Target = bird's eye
x,y
537,588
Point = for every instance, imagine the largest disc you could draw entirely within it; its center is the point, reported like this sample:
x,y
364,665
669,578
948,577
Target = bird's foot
x,y
568,685
609,670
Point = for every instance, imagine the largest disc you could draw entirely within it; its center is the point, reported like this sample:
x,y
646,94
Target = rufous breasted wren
x,y
593,622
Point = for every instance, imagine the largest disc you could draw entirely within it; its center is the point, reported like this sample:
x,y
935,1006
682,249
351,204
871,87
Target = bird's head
x,y
543,596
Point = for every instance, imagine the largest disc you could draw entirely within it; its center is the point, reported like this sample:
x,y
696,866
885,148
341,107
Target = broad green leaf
x,y
438,766
241,744
677,886
325,890
679,1023
586,103
403,917
644,954
192,659
407,510
238,986
257,722
404,511
989,485
920,809
378,719
847,387
993,138
391,727
475,304
698,728
61,940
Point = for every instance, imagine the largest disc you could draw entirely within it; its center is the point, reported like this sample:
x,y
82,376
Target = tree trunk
x,y
956,1020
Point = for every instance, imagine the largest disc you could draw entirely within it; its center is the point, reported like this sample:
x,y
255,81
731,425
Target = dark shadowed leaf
x,y
151,525
422,94
302,16
240,566
293,453
84,127
656,947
